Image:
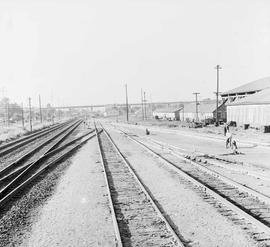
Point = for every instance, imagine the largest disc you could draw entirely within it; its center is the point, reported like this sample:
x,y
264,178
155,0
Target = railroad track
x,y
13,145
44,147
234,166
136,217
244,205
32,171
209,163
200,161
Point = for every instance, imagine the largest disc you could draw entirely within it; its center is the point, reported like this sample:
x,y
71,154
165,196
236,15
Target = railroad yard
x,y
106,183
134,123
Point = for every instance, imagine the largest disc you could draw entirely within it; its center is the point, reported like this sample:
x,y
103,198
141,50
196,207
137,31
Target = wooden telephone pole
x,y
218,67
142,104
30,114
145,106
126,101
40,111
22,117
196,97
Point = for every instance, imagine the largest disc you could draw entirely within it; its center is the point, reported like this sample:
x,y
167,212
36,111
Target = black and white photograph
x,y
134,123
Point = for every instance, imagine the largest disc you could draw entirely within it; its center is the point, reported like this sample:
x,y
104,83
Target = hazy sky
x,y
83,52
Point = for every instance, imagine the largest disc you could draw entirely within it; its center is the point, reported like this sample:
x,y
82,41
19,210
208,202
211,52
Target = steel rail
x,y
226,179
118,240
144,189
61,139
259,224
13,171
13,164
45,154
10,147
186,155
230,181
28,168
10,143
4,199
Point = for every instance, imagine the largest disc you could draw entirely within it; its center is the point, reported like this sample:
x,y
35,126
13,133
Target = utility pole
x,y
151,105
22,117
196,97
218,67
40,111
7,112
183,112
30,114
3,90
145,112
142,104
126,101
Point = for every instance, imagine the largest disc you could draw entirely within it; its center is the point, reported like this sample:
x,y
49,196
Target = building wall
x,y
165,115
192,116
255,115
222,112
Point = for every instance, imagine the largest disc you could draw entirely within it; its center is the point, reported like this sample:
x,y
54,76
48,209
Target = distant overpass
x,y
119,105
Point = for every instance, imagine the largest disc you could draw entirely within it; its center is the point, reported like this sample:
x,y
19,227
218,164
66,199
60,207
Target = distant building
x,y
167,113
112,112
206,110
249,103
100,109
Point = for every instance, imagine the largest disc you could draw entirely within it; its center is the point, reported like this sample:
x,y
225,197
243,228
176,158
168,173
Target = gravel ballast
x,y
67,207
197,221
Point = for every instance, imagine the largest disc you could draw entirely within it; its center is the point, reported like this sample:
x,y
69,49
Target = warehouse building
x,y
249,104
246,90
253,110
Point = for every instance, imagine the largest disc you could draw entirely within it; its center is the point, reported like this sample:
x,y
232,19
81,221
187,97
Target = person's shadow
x,y
227,154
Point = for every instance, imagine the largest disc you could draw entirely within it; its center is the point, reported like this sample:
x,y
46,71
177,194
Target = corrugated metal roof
x,y
262,97
167,110
250,87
